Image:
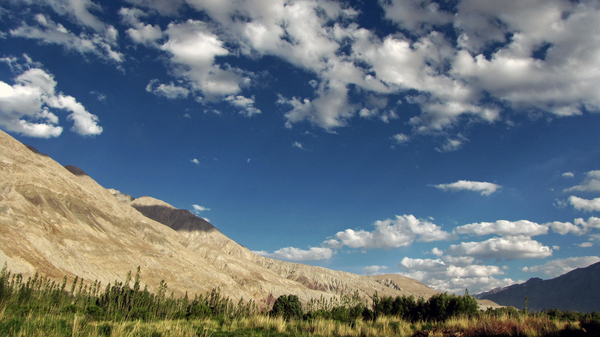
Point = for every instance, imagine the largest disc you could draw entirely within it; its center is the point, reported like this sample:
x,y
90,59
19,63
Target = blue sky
x,y
454,142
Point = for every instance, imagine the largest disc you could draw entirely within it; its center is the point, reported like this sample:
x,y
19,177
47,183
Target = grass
x,y
265,326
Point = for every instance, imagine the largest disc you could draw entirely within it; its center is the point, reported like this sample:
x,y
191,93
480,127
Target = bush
x,y
139,313
199,310
287,306
94,312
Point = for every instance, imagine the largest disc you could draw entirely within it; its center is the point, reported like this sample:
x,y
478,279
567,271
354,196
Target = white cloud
x,y
586,245
584,204
445,275
25,107
296,254
388,234
503,227
578,227
451,145
50,32
140,33
592,222
245,104
413,15
79,11
373,270
195,161
590,184
449,83
298,145
552,82
507,247
483,187
401,138
559,267
568,175
170,91
564,228
193,48
437,252
423,264
198,209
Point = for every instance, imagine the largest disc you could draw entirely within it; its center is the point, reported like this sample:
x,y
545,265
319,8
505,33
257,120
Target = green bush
x,y
199,310
94,312
287,306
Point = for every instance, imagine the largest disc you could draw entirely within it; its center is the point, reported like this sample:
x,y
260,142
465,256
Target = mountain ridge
x,y
576,290
58,221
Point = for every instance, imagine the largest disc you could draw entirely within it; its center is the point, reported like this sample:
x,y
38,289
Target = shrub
x,y
287,306
94,312
199,310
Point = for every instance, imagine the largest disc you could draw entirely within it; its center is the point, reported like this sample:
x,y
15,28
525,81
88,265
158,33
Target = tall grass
x,y
41,307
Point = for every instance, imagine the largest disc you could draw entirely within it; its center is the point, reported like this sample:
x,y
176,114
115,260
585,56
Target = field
x,y
263,325
41,307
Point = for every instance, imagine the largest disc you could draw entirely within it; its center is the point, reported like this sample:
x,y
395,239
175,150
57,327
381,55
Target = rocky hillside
x,y
576,290
58,221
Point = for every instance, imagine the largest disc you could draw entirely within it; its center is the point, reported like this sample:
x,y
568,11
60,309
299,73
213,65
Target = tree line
x,y
122,301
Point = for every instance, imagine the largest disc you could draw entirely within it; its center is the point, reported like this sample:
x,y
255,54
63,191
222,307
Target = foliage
x,y
116,302
438,307
40,307
287,306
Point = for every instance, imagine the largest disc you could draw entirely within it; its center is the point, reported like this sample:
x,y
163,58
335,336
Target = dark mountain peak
x,y
576,290
75,170
34,150
534,280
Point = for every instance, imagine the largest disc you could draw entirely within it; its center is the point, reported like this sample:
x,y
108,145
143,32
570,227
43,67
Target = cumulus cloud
x,y
568,175
25,107
170,91
584,204
195,161
139,32
246,105
389,233
298,145
483,187
578,227
296,254
590,184
437,252
586,245
547,64
507,247
503,228
373,270
445,275
192,49
559,267
401,138
564,228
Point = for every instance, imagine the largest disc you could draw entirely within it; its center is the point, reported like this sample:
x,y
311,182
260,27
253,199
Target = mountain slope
x,y
58,221
576,290
206,239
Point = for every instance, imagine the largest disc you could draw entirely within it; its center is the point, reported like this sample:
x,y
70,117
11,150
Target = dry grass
x,y
261,325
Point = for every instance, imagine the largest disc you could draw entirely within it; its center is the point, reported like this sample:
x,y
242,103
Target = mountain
x,y
58,221
576,290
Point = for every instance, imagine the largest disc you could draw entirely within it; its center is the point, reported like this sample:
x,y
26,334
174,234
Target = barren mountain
x,y
576,290
58,221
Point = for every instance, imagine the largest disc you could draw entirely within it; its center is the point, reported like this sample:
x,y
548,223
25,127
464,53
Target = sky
x,y
453,141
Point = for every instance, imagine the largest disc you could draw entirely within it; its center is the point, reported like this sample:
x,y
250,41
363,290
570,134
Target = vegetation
x,y
40,307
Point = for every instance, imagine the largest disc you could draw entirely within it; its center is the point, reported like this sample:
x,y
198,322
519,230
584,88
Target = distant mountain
x,y
577,290
58,221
